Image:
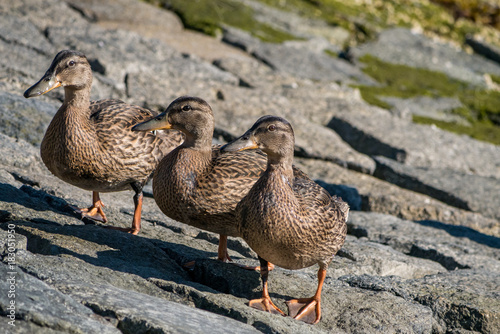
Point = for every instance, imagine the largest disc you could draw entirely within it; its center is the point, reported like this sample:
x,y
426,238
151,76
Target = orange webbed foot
x,y
130,230
93,212
265,304
305,309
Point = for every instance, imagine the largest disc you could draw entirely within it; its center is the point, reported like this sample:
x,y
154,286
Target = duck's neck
x,y
190,161
72,121
281,163
282,171
201,143
77,101
71,127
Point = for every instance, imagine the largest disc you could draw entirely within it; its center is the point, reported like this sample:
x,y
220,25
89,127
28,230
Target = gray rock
x,y
460,300
374,131
304,28
296,59
362,257
348,310
10,241
302,59
155,315
454,247
25,119
25,33
35,305
152,21
18,153
467,191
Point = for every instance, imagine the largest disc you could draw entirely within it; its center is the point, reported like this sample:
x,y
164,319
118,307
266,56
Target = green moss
x,y
495,78
208,16
484,131
365,18
405,81
481,107
485,103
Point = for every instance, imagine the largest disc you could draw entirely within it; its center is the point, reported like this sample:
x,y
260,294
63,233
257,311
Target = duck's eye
x,y
272,127
71,63
187,107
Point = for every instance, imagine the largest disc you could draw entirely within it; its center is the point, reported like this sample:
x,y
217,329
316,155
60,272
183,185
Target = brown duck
x,y
287,220
195,183
91,145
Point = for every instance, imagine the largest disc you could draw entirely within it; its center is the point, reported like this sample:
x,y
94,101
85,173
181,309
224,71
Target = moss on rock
x,y
481,106
208,16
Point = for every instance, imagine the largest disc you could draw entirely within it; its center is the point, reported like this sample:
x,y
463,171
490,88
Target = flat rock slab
x,y
288,57
153,22
37,305
375,131
25,119
454,247
363,257
154,314
465,299
466,191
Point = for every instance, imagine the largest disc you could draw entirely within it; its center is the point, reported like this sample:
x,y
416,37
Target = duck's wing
x,y
97,106
315,198
232,175
131,150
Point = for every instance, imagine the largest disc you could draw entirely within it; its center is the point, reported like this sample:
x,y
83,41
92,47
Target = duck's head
x,y
68,69
272,134
191,115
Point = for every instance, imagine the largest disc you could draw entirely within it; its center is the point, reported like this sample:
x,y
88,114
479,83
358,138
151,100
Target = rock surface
x,y
422,253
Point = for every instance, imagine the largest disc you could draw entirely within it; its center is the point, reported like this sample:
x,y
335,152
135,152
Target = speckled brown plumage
x,y
202,189
90,144
287,220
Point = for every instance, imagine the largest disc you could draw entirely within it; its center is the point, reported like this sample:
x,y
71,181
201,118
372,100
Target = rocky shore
x,y
422,253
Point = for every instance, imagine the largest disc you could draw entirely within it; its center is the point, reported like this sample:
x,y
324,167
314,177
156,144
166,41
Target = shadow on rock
x,y
463,232
34,199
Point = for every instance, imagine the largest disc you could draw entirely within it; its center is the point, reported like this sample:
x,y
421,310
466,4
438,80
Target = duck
x,y
91,145
195,183
287,220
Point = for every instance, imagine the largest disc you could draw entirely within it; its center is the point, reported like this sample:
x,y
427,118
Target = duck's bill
x,y
159,122
46,84
245,142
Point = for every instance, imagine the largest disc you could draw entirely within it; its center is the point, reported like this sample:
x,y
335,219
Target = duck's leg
x,y
265,303
95,211
136,221
308,309
223,256
222,253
